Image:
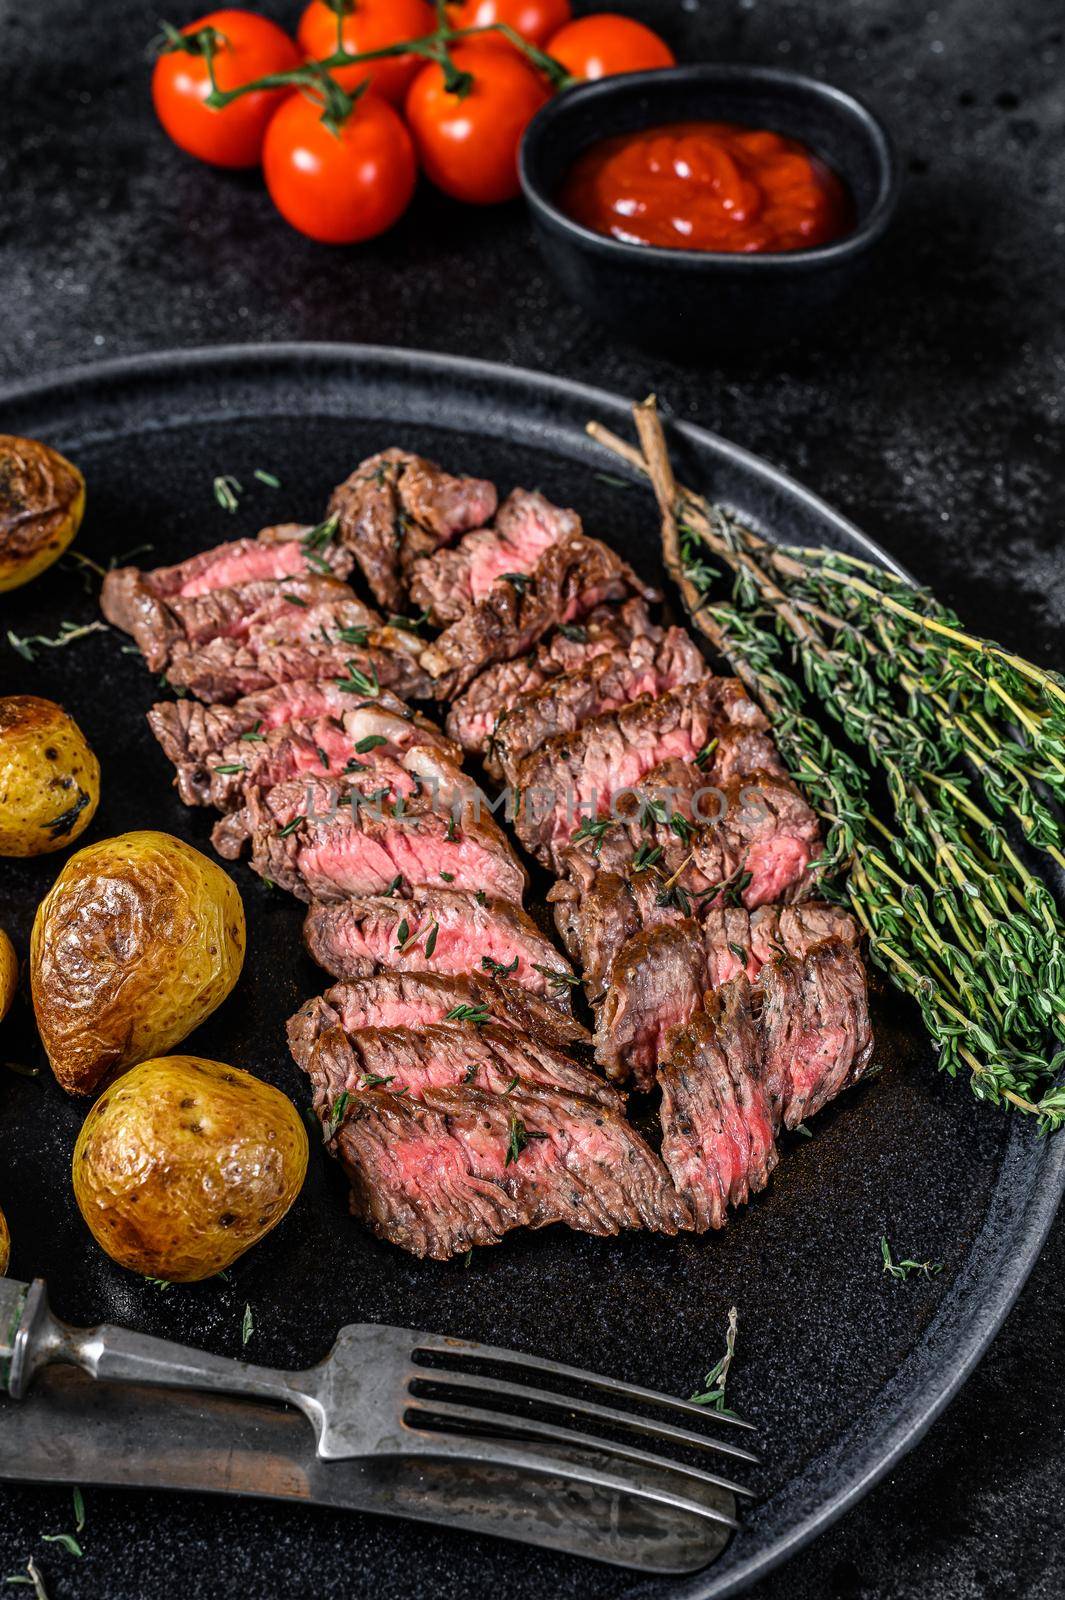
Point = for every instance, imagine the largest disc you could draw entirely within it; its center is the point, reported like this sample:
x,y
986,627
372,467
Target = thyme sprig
x,y
964,739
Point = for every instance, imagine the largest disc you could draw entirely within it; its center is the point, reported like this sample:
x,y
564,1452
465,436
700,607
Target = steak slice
x,y
444,1055
605,683
656,985
570,579
147,604
450,582
815,1023
367,739
466,1167
596,919
190,731
358,938
396,507
311,646
322,840
416,999
765,843
472,716
717,1116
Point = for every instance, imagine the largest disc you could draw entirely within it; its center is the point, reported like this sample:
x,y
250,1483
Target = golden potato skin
x,y
42,502
139,939
184,1164
49,777
5,1246
8,976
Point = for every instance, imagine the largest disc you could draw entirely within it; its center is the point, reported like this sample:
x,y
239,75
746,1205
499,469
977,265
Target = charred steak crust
x,y
570,579
396,507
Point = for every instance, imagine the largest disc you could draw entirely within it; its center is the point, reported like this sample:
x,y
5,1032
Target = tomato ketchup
x,y
707,186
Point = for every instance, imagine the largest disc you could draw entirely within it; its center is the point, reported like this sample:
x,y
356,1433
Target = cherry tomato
x,y
368,25
468,144
339,187
247,47
601,45
535,20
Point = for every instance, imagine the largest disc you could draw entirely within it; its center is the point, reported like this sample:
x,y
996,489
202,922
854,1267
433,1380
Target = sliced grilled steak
x,y
466,1167
815,1023
596,919
570,579
444,1055
357,938
767,831
417,999
359,741
472,716
606,683
190,731
717,1117
656,984
450,582
151,605
320,841
305,645
396,507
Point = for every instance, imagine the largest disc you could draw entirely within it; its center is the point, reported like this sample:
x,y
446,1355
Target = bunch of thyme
x,y
966,742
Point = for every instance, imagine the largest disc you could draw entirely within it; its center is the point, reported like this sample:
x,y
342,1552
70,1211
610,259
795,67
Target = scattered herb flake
x,y
227,491
902,1269
713,1391
230,768
67,1540
430,943
290,827
465,1013
372,741
268,478
498,968
253,735
247,1327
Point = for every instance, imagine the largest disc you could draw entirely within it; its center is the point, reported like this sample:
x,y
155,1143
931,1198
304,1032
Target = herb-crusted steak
x,y
417,999
570,579
815,1022
465,1167
449,583
320,841
396,507
356,938
717,1116
473,715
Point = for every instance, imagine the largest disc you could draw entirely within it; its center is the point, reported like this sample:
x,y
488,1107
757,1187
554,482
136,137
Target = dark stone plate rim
x,y
506,400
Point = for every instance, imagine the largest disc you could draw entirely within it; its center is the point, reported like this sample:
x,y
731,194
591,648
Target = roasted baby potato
x,y
49,778
138,940
5,1245
184,1164
8,975
42,501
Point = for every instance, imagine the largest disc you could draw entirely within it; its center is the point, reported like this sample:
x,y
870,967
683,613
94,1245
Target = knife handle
x,y
120,1355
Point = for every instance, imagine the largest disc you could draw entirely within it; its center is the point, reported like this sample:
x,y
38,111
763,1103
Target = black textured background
x,y
931,412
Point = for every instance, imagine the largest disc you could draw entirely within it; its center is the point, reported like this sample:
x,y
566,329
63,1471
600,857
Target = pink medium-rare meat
x,y
815,1024
308,645
391,999
473,714
570,579
474,934
396,507
656,985
322,840
605,683
150,605
444,1055
465,1167
717,1116
448,583
334,746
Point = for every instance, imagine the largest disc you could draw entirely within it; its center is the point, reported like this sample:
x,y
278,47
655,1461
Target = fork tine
x,y
438,1344
482,1387
498,1452
530,1428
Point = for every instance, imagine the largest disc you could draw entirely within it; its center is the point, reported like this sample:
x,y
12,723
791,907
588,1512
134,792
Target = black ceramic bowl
x,y
694,302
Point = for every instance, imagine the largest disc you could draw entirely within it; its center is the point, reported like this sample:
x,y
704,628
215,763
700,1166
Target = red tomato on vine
x,y
241,47
535,20
604,44
340,185
368,25
467,138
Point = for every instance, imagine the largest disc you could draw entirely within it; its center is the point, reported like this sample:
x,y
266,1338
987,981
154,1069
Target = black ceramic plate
x,y
839,1366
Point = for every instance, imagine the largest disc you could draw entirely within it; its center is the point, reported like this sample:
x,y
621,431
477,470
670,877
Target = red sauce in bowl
x,y
707,186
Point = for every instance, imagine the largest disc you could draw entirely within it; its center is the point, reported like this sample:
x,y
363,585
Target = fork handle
x,y
118,1354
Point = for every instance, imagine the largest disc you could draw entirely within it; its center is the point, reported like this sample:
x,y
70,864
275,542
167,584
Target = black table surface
x,y
931,411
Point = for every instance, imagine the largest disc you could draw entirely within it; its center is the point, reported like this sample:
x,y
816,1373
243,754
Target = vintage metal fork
x,y
392,1393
